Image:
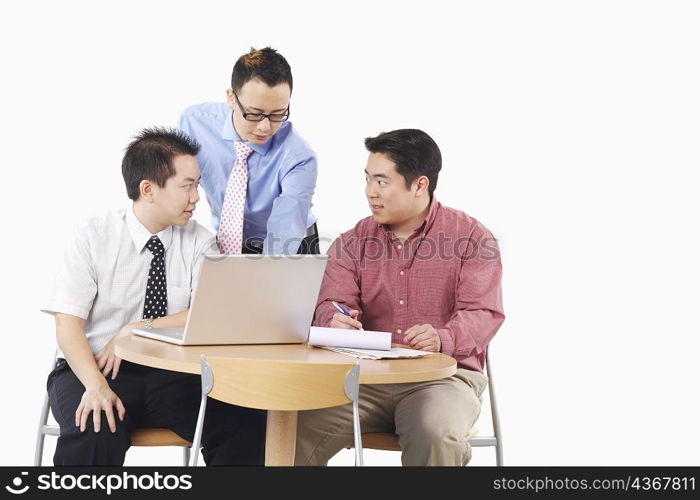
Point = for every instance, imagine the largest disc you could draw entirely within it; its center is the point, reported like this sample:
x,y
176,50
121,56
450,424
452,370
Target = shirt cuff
x,y
64,308
447,342
324,315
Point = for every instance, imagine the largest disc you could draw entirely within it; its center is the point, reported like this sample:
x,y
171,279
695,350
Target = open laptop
x,y
250,299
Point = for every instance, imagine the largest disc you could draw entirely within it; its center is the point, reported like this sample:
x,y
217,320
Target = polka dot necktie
x,y
230,235
156,304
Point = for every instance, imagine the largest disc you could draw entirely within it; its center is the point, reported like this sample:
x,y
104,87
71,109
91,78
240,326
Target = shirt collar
x,y
228,133
424,227
140,235
432,213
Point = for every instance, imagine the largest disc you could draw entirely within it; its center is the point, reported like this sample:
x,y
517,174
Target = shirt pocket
x,y
178,299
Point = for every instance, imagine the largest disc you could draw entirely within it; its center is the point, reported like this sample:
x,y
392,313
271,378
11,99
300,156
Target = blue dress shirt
x,y
281,177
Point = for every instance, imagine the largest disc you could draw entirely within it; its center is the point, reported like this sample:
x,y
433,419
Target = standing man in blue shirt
x,y
257,172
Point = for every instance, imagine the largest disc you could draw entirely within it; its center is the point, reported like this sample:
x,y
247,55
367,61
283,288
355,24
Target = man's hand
x,y
96,400
339,320
106,360
423,338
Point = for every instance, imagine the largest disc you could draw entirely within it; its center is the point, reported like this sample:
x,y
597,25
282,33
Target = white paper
x,y
340,337
394,353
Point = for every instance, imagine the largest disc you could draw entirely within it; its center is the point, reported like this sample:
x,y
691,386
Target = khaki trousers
x,y
431,419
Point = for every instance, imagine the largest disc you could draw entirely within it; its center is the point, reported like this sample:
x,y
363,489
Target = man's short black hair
x,y
266,65
413,151
150,157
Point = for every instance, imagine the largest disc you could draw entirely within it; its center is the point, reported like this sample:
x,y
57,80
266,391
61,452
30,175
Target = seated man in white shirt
x,y
137,267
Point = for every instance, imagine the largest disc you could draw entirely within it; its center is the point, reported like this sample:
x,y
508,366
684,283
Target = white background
x,y
570,129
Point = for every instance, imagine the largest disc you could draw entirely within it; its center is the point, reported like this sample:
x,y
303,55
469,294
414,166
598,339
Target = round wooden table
x,y
281,425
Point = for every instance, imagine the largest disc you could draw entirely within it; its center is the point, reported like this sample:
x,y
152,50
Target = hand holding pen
x,y
344,318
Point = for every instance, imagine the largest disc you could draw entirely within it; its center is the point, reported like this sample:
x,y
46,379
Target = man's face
x,y
389,199
175,202
257,97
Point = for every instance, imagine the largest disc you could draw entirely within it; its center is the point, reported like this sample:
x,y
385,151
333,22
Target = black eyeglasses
x,y
258,117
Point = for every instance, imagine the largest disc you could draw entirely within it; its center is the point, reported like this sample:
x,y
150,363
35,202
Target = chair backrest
x,y
281,385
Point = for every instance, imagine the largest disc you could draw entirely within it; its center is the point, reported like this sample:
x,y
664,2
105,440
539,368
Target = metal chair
x,y
281,386
389,442
139,437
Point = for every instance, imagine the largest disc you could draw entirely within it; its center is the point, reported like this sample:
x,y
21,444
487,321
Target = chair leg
x,y
499,456
39,451
196,442
43,418
359,461
495,417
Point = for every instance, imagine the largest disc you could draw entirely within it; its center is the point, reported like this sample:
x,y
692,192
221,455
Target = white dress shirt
x,y
103,276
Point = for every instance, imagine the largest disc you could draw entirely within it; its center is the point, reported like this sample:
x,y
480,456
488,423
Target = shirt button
x,y
399,330
401,302
399,247
401,273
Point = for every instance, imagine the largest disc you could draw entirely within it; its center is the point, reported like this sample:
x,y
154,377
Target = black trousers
x,y
153,398
309,245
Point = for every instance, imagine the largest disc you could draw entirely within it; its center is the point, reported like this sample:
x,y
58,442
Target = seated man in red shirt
x,y
430,275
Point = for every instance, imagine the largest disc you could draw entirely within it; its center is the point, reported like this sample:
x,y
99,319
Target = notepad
x,y
394,353
354,339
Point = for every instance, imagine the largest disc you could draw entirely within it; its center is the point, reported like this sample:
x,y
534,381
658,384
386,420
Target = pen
x,y
341,309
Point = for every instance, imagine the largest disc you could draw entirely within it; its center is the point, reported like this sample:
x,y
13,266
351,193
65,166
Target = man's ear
x,y
146,190
421,184
229,98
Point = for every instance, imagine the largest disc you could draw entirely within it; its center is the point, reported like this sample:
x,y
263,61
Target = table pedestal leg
x,y
281,439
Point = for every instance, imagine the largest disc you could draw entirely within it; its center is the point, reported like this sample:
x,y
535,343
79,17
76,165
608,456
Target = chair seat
x,y
381,441
156,437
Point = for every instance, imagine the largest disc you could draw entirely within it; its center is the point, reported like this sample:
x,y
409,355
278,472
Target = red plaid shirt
x,y
447,274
